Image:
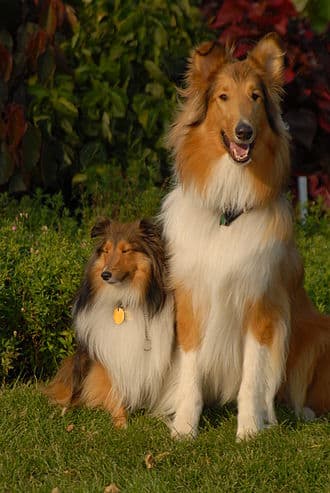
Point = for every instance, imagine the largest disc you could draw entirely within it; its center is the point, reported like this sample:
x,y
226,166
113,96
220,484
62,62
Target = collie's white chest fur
x,y
137,374
224,267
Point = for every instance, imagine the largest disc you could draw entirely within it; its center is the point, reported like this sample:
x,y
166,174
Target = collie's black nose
x,y
243,131
106,275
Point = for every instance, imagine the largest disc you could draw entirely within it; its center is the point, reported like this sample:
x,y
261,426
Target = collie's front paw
x,y
182,430
248,427
308,414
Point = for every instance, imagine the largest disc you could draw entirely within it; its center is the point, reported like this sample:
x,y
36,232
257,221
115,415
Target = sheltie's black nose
x,y
243,131
106,275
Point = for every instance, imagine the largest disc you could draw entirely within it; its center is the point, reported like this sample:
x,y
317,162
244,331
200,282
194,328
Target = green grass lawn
x,y
40,451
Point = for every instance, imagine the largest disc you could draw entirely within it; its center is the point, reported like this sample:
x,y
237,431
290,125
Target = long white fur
x,y
137,374
225,267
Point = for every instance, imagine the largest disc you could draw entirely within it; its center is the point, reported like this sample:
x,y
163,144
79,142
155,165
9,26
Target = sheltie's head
x,y
231,119
129,260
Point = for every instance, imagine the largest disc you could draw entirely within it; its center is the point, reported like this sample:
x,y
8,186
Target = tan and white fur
x,y
120,366
238,288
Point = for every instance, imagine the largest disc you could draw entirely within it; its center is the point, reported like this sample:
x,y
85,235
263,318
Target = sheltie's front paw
x,y
120,421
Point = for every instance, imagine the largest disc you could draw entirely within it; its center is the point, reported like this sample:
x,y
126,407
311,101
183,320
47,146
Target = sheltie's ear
x,y
268,56
100,227
154,249
148,228
206,61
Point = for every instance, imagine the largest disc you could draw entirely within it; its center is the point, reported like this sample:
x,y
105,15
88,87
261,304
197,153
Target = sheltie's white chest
x,y
136,352
223,267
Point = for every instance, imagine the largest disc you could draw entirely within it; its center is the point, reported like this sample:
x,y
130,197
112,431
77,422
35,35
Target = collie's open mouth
x,y
240,153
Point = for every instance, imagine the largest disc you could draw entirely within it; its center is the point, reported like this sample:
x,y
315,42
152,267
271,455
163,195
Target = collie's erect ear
x,y
100,227
206,61
268,55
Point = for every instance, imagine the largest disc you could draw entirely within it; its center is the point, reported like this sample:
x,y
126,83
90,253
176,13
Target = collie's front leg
x,y
188,397
189,404
263,369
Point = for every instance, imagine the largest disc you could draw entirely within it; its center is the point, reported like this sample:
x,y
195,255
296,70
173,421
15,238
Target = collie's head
x,y
229,141
128,264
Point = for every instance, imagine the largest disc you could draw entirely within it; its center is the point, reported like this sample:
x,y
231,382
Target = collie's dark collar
x,y
228,217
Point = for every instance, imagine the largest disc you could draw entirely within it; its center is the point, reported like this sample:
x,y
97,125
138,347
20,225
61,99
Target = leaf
x,y
111,488
303,126
79,178
92,153
155,89
70,428
154,71
149,461
6,40
36,46
131,23
116,51
71,17
50,160
6,63
106,131
46,65
7,165
65,107
48,17
31,145
17,184
118,103
16,125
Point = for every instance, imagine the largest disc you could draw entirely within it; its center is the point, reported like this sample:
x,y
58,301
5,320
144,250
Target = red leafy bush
x,y
30,33
306,104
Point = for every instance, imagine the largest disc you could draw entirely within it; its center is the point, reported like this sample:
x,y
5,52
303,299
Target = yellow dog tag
x,y
118,315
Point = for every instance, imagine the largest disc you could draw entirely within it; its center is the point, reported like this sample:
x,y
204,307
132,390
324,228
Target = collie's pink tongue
x,y
240,151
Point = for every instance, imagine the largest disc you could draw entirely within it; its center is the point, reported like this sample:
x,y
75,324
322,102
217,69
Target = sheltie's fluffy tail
x,y
81,381
66,387
60,389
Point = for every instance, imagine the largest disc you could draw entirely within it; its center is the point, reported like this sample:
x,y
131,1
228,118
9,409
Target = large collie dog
x,y
238,279
124,323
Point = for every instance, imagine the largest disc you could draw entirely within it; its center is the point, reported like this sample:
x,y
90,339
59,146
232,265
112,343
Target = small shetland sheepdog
x,y
245,326
124,323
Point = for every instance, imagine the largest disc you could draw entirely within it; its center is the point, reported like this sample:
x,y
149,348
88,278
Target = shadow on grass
x,y
213,417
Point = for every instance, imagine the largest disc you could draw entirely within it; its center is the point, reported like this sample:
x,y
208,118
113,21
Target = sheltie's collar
x,y
119,316
229,216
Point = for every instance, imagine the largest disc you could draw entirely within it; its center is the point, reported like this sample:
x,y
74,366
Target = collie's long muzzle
x,y
240,149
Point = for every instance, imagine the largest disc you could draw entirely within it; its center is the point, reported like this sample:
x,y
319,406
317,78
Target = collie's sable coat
x,y
123,318
238,279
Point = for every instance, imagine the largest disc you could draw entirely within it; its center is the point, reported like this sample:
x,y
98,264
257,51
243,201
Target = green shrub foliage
x,y
42,254
100,92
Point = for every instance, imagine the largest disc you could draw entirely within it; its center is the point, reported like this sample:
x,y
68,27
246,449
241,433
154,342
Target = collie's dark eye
x,y
255,96
223,97
126,250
